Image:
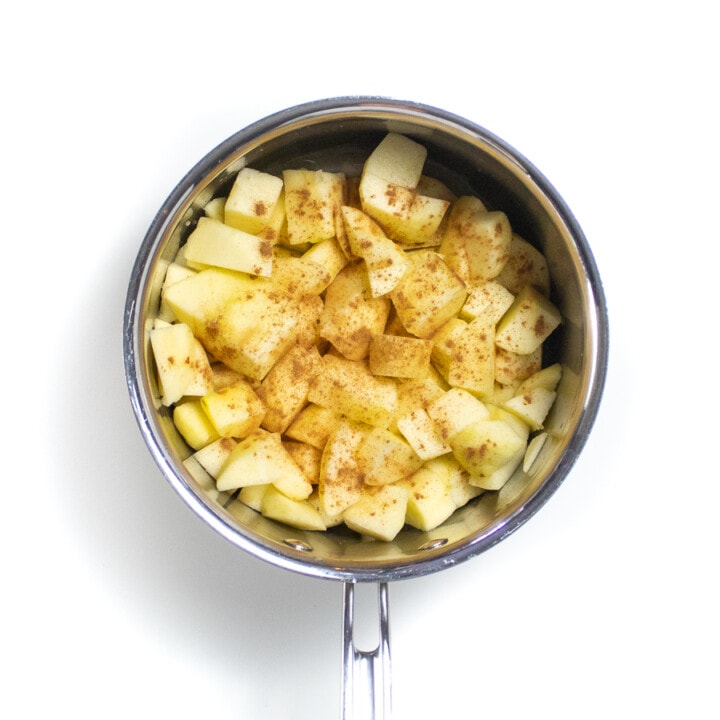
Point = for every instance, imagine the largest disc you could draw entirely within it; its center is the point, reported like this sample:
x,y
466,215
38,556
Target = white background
x,y
117,602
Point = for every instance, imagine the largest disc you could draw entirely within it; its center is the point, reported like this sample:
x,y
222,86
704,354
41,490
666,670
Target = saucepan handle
x,y
366,687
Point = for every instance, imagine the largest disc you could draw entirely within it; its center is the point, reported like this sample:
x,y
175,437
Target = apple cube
x,y
400,357
489,301
430,501
215,208
174,273
213,243
379,513
284,389
204,480
296,277
511,369
235,411
532,406
422,434
528,323
405,216
497,479
312,200
347,387
485,446
180,361
525,265
252,496
384,457
350,317
548,378
251,200
385,262
296,513
329,254
397,159
341,482
313,425
213,456
193,424
428,294
455,410
306,457
259,459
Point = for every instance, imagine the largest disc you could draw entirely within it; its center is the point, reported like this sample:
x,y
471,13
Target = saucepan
x,y
337,134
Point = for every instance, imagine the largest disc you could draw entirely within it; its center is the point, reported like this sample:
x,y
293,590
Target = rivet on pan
x,y
298,545
432,544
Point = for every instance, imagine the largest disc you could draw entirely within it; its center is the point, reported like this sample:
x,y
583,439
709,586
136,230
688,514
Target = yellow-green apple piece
x,y
498,412
223,376
511,368
421,433
173,347
433,187
397,159
259,459
200,299
429,502
235,411
499,477
533,450
398,356
284,390
384,457
341,483
548,377
455,410
329,520
202,376
457,478
379,513
329,254
468,357
528,322
215,208
297,513
532,406
444,342
174,273
299,276
306,457
213,455
252,199
312,200
385,261
525,265
252,496
313,425
490,301
275,231
350,316
204,480
428,294
193,424
215,244
404,216
452,241
347,387
252,333
485,446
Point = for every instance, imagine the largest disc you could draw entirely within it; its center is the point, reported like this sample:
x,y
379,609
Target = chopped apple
x,y
312,200
259,459
532,406
548,378
181,363
350,317
313,425
284,390
528,323
297,513
251,200
430,501
533,450
213,455
252,496
174,273
379,513
193,424
385,262
455,410
215,208
215,244
422,434
511,368
397,159
525,265
235,411
341,482
329,254
347,387
428,294
485,446
306,457
489,301
384,457
297,277
433,187
497,479
400,357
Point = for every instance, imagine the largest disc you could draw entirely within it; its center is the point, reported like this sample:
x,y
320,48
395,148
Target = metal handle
x,y
366,691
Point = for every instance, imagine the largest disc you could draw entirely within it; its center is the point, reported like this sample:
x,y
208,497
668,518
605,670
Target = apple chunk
x,y
528,322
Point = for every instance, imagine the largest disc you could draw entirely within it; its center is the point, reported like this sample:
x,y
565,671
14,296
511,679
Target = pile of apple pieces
x,y
365,350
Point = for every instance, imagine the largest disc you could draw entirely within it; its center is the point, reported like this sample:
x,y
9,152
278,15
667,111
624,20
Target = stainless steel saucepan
x,y
337,135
